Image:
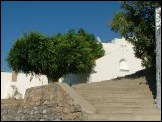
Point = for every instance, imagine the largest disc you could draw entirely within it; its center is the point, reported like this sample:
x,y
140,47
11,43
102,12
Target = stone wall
x,y
46,103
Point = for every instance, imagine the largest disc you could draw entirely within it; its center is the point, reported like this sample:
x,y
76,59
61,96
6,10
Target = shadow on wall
x,y
72,79
150,76
14,92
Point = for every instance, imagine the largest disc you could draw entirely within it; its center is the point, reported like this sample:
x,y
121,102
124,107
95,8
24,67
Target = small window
x,y
123,64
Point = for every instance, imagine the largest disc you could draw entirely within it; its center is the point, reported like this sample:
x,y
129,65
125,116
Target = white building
x,y
118,61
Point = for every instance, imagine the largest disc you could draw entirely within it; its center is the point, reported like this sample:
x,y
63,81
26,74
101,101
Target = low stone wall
x,y
46,103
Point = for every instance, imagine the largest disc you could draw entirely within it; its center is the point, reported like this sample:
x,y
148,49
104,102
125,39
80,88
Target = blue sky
x,y
53,17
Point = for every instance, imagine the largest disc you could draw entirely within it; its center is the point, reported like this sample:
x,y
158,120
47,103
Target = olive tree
x,y
56,56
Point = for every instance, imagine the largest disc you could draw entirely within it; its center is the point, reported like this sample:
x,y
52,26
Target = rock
x,y
44,111
19,111
31,113
76,116
66,110
36,112
49,110
77,108
45,116
41,119
35,108
57,120
46,102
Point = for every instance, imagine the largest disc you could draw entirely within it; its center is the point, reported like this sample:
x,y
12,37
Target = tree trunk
x,y
52,79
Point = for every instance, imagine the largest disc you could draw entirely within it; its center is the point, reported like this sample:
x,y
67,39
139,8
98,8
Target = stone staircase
x,y
119,100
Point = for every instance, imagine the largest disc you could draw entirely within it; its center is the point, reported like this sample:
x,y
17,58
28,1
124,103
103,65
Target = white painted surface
x,y
5,80
23,82
107,67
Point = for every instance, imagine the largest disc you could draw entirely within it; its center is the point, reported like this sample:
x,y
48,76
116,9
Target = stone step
x,y
126,89
139,83
107,96
125,104
111,87
122,117
125,100
114,90
116,101
115,93
118,98
123,109
125,81
111,96
102,100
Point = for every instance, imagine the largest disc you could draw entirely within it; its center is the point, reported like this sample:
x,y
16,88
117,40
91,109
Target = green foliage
x,y
56,56
136,22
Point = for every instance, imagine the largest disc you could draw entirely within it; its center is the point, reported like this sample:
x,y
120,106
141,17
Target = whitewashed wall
x,y
108,67
23,82
5,80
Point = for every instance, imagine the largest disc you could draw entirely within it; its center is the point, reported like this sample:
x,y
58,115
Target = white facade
x,y
118,61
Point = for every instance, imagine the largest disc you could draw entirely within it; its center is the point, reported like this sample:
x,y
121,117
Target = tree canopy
x,y
56,56
136,22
